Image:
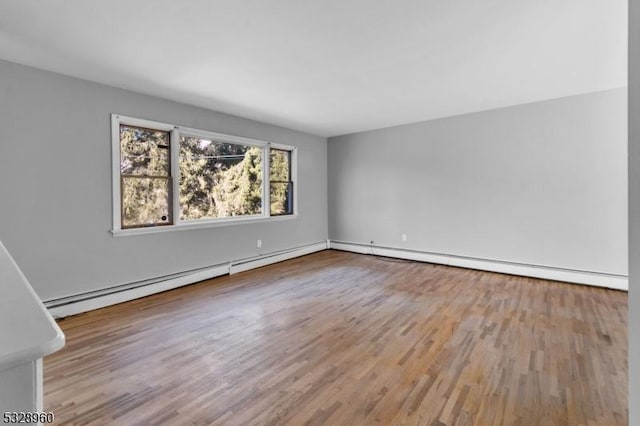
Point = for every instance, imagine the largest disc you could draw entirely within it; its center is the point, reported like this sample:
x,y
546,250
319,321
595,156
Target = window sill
x,y
185,226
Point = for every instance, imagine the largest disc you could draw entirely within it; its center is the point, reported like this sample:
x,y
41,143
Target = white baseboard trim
x,y
617,282
72,305
257,262
88,302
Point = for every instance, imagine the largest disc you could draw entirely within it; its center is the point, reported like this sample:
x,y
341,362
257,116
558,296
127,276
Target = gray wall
x,y
634,213
542,183
55,170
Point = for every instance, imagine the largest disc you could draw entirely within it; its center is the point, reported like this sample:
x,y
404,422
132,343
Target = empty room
x,y
319,212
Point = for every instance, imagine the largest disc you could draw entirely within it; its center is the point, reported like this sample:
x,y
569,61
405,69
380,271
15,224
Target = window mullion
x,y
266,183
174,147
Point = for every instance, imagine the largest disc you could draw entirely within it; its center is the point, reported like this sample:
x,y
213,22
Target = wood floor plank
x,y
345,339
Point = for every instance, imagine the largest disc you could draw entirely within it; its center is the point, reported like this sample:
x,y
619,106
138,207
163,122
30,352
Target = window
x,y
219,179
281,185
169,177
145,176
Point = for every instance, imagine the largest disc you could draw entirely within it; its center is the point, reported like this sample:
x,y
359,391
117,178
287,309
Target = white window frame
x,y
176,132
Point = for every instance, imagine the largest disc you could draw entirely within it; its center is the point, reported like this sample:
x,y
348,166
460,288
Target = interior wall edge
x,y
633,158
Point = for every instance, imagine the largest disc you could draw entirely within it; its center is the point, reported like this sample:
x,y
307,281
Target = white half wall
x,y
21,388
541,184
55,170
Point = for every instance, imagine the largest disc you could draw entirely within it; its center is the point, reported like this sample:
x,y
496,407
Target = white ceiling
x,y
328,67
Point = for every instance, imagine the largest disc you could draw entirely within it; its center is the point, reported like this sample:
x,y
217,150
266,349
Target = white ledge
x,y
27,330
200,224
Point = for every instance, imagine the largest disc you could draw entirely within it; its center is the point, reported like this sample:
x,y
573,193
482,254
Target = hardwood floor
x,y
345,339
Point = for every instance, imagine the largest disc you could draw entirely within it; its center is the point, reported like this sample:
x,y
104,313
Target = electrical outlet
x,y
404,237
259,243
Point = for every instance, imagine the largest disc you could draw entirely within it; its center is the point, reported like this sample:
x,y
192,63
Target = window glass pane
x,y
281,186
279,165
219,179
144,151
281,198
145,201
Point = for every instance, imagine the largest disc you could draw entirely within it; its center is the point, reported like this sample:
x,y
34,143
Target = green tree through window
x,y
219,179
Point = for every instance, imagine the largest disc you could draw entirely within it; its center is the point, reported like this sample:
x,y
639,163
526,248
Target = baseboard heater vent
x,y
598,279
90,300
267,259
87,301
